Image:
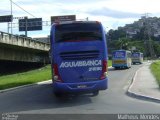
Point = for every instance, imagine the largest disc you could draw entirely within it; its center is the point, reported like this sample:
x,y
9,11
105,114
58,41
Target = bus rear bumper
x,y
119,65
84,87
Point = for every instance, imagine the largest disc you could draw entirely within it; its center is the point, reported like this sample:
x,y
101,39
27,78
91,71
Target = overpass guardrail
x,y
17,40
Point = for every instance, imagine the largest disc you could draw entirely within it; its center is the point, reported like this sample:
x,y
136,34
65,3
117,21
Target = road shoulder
x,y
144,85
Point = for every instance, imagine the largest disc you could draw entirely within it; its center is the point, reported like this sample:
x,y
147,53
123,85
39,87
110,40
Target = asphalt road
x,y
39,99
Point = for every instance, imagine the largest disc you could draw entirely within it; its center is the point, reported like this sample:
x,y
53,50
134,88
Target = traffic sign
x,y
30,24
6,18
63,18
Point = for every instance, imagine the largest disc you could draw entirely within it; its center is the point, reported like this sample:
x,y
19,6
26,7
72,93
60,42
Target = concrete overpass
x,y
22,49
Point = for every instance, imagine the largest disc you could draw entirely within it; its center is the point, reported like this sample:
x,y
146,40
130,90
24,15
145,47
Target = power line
x,y
22,9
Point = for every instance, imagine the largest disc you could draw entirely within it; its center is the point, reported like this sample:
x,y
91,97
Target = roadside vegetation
x,y
155,68
109,63
25,78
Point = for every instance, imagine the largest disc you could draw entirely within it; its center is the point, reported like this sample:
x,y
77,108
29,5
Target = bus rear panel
x,y
137,57
79,57
121,59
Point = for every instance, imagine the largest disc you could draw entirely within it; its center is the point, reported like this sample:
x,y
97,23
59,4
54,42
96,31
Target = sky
x,y
112,13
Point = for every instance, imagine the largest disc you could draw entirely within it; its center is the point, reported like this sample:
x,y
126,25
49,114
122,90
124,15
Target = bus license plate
x,y
81,86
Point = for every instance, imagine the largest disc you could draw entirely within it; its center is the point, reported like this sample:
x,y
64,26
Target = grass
x,y
155,68
109,63
29,77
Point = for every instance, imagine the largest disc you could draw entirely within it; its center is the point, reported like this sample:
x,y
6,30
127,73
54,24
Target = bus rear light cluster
x,y
55,77
104,70
56,74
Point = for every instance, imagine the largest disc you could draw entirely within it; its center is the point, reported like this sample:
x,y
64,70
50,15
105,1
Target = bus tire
x,y
127,67
116,68
57,94
95,93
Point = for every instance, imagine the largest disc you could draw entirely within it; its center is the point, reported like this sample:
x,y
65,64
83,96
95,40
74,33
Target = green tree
x,y
156,47
123,43
116,34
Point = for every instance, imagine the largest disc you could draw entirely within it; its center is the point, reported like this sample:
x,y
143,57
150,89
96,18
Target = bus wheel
x,y
116,68
95,93
127,67
57,94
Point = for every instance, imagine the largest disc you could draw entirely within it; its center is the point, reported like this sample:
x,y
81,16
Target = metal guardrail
x,y
23,41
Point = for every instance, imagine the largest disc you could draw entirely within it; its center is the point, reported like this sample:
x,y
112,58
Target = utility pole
x,y
147,37
11,15
8,27
87,19
26,20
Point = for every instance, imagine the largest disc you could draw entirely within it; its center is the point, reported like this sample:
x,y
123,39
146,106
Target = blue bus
x,y
137,57
78,57
121,59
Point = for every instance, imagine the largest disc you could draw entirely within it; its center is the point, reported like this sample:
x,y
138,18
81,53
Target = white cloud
x,y
112,13
136,6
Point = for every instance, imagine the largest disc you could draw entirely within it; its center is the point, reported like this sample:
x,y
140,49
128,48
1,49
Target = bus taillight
x,y
56,75
104,70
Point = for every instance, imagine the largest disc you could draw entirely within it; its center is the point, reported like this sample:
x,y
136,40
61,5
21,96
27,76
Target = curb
x,y
140,96
24,86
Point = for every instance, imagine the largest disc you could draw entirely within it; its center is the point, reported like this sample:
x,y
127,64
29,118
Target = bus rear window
x,y
135,55
119,54
78,32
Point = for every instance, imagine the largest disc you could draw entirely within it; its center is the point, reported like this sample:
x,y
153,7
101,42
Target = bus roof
x,y
122,50
137,52
70,22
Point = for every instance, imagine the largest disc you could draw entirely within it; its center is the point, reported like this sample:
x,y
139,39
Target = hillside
x,y
142,35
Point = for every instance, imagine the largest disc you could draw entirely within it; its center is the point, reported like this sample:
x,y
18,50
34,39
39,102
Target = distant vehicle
x,y
121,59
22,35
78,57
137,57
